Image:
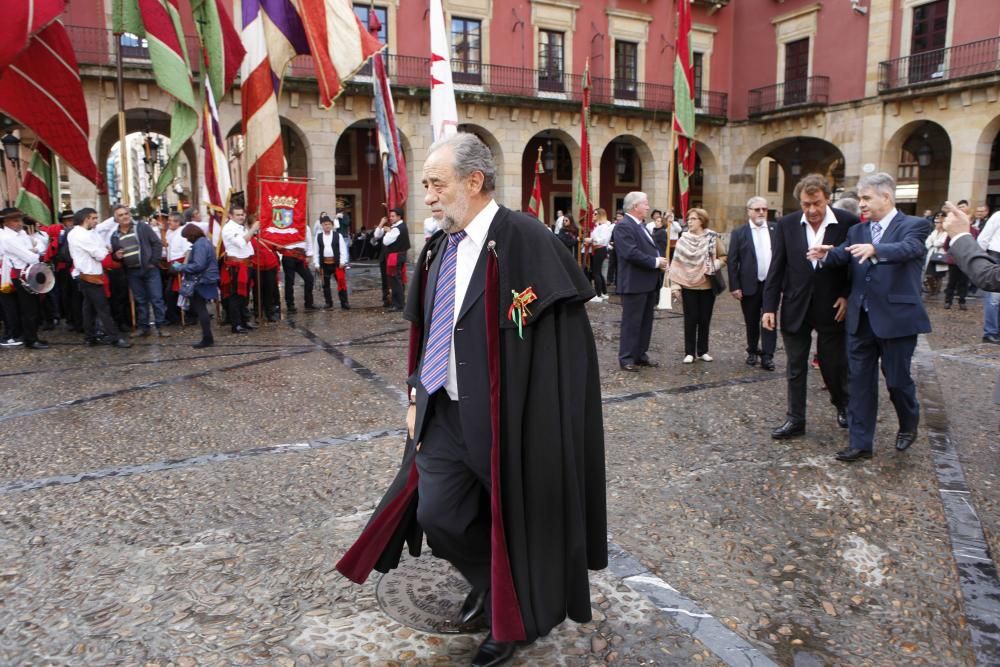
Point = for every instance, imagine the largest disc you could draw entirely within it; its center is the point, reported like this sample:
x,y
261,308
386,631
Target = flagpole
x,y
671,168
122,149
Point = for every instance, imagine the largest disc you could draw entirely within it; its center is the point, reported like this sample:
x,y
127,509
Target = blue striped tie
x,y
434,372
876,233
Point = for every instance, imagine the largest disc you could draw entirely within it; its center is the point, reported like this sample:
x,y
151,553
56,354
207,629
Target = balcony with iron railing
x,y
96,46
795,94
930,67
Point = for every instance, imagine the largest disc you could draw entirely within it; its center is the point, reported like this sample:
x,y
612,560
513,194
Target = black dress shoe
x,y
851,454
251,326
203,343
473,607
631,368
789,429
752,359
122,343
291,310
649,363
240,330
310,306
841,417
37,345
767,363
905,438
492,652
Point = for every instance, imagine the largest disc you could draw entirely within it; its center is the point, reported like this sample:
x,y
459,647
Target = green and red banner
x,y
585,209
535,205
39,193
683,124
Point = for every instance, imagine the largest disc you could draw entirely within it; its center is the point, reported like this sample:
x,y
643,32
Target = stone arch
x,y
141,119
557,185
919,187
644,167
298,152
987,153
796,156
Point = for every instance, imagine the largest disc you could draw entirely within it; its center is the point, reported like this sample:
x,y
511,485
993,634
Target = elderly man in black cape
x,y
504,465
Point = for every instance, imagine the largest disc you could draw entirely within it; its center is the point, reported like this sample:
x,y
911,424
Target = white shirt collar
x,y
753,226
479,226
829,219
634,219
884,222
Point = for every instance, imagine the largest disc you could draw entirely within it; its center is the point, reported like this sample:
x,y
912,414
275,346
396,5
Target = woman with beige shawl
x,y
699,253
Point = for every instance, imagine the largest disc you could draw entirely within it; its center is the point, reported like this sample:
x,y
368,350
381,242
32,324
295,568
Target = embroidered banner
x,y
282,212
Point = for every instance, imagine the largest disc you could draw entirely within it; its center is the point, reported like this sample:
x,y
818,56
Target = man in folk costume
x,y
295,259
175,249
395,244
330,258
236,276
70,299
266,264
483,423
18,251
87,252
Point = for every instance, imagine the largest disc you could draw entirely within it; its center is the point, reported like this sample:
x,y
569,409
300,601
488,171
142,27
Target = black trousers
x,y
832,350
957,282
759,341
453,488
269,294
70,299
199,308
637,327
21,311
596,262
121,309
865,352
698,307
291,266
612,266
236,306
96,307
386,301
397,294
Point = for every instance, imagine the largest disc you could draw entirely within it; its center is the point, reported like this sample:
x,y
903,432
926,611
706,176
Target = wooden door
x,y
796,71
930,30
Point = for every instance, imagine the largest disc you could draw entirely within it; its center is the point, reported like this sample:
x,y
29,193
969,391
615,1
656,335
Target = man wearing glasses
x,y
749,260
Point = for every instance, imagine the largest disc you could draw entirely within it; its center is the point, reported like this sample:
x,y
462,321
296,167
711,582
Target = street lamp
x,y
11,147
796,167
924,155
620,164
549,158
371,155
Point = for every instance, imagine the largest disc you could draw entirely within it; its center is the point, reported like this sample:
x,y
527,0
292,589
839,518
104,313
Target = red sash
x,y
242,267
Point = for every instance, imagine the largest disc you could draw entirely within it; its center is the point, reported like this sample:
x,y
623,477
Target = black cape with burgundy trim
x,y
551,435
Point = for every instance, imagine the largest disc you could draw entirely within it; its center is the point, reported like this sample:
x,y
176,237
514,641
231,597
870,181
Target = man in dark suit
x,y
749,260
983,270
884,312
812,297
639,265
507,483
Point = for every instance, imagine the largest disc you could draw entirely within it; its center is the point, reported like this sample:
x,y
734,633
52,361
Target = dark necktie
x,y
434,372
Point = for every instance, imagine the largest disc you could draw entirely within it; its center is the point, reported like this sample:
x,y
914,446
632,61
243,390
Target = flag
x,y
218,183
40,87
585,210
159,22
272,34
222,49
444,114
23,20
683,124
39,194
282,212
535,205
339,44
390,147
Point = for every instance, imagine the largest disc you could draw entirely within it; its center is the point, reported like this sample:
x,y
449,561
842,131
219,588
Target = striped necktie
x,y
876,233
434,372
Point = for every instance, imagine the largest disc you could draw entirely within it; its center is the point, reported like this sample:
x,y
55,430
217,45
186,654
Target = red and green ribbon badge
x,y
518,311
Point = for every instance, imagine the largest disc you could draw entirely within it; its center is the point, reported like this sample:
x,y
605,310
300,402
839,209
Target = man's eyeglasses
x,y
759,208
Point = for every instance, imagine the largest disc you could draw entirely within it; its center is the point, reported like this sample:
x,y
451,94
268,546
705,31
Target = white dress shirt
x,y
814,239
468,254
675,230
235,242
601,236
105,230
87,250
19,250
989,237
761,247
388,237
177,245
327,242
431,225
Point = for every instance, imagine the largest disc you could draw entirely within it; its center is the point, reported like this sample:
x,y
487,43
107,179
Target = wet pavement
x,y
164,505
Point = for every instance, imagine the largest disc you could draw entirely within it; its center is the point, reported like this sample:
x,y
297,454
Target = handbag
x,y
187,288
939,258
717,282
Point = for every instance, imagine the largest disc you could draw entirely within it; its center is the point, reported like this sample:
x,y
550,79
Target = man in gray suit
x,y
982,270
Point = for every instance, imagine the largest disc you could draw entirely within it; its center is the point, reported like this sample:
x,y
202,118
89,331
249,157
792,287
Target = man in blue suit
x,y
749,260
884,312
639,264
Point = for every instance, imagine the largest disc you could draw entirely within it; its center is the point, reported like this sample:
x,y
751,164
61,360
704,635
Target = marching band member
x,y
88,252
237,270
295,259
330,258
69,297
18,251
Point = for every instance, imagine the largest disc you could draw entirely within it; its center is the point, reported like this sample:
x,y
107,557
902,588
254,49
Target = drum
x,y
38,278
130,247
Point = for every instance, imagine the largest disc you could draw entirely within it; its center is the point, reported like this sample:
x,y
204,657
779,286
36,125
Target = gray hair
x,y
849,204
881,183
632,199
471,155
754,200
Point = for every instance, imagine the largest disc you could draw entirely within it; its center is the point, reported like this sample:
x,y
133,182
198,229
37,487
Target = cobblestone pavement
x,y
163,505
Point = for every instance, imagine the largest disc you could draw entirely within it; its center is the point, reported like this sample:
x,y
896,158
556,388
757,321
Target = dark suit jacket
x,y
742,263
891,285
983,271
637,255
794,284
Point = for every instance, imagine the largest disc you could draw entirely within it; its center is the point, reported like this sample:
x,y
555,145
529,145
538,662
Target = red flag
x,y
23,20
683,123
282,212
390,147
535,205
41,90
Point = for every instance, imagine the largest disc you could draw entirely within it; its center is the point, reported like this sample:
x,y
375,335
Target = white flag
x,y
444,115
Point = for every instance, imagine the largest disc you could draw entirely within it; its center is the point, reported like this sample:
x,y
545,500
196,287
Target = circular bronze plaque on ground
x,y
425,594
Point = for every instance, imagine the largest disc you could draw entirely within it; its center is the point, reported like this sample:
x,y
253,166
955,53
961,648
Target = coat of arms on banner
x,y
283,211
